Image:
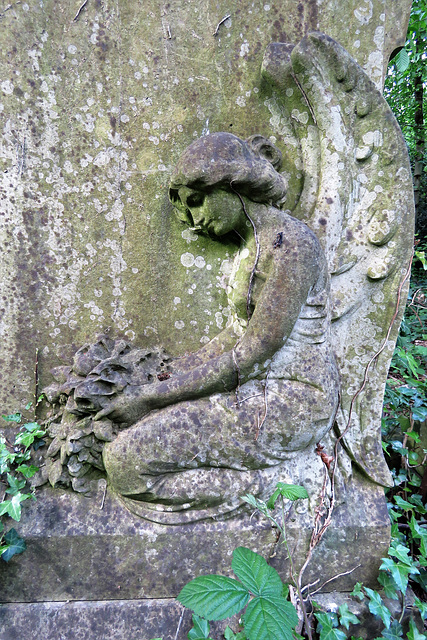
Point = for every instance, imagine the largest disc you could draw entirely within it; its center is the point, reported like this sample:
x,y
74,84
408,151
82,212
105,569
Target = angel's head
x,y
213,168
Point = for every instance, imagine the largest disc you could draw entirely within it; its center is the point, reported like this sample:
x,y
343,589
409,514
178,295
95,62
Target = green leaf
x,y
413,633
292,491
402,553
377,607
15,484
230,635
270,618
402,60
327,627
347,617
422,607
15,545
28,406
13,507
200,630
28,471
389,585
403,504
357,591
214,597
254,572
394,632
13,417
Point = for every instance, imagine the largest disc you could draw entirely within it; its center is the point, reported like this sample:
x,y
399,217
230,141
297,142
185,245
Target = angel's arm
x,y
293,272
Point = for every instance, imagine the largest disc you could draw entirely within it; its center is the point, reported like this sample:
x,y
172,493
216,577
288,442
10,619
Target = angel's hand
x,y
127,407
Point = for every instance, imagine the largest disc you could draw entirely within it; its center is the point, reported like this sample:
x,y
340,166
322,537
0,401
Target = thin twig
x,y
339,575
36,382
297,82
318,534
179,624
252,276
215,33
104,495
260,426
80,10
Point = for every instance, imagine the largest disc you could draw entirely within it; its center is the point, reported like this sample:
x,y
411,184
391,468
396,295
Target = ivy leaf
x,y
413,633
357,591
395,632
327,627
15,485
377,607
13,507
386,580
270,618
200,630
15,545
403,504
28,471
254,572
418,532
347,617
422,607
399,571
214,597
401,552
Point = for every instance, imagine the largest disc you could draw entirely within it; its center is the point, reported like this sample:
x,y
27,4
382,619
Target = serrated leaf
x,y
346,616
230,635
377,607
386,580
254,572
214,597
200,630
15,545
395,632
413,633
13,417
292,491
270,618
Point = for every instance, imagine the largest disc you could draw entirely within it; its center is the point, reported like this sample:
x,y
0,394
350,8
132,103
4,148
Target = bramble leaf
x,y
270,618
200,630
254,572
289,491
13,417
214,597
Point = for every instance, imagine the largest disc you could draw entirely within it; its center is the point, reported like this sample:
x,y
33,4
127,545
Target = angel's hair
x,y
223,160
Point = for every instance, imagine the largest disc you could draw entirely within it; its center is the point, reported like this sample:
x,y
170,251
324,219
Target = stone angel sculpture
x,y
313,296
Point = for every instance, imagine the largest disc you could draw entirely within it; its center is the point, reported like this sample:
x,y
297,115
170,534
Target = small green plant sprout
x,y
259,589
15,471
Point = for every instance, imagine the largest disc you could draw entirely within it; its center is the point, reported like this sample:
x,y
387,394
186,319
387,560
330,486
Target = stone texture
x,y
94,114
82,552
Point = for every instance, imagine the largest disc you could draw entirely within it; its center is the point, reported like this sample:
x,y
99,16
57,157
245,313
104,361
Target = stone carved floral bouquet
x,y
99,371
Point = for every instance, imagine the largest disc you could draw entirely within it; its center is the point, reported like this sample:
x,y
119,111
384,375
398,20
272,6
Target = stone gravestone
x,y
206,228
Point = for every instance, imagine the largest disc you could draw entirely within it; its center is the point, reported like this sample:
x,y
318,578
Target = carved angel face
x,y
214,211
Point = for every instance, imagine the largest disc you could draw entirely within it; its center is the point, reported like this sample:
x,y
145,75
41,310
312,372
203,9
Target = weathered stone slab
x,y
83,552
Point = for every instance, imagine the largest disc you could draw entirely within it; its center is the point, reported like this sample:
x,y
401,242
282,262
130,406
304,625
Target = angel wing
x,y
357,197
